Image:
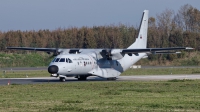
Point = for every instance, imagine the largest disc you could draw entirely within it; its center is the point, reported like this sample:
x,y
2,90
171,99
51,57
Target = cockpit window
x,y
62,60
57,59
69,60
53,59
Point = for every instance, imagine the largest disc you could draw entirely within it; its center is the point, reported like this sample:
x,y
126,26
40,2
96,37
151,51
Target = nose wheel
x,y
62,79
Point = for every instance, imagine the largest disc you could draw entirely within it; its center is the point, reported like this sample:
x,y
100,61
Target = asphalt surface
x,y
6,81
39,80
45,68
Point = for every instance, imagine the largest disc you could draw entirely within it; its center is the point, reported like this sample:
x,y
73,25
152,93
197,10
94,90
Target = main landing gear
x,y
82,78
62,79
112,78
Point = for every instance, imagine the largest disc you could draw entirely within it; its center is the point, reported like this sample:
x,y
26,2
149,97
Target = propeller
x,y
112,54
107,54
56,51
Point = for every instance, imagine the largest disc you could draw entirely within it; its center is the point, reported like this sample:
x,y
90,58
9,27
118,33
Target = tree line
x,y
167,29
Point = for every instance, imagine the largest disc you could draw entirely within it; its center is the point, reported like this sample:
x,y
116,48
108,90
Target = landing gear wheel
x,y
112,79
82,78
62,79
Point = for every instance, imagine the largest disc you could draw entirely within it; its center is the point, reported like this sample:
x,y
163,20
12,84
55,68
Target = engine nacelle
x,y
116,54
112,54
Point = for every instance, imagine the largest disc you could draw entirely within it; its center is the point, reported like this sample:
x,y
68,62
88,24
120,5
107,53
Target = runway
x,y
39,80
45,68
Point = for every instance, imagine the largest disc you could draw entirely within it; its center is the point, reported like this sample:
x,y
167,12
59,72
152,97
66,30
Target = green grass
x,y
24,60
23,74
107,96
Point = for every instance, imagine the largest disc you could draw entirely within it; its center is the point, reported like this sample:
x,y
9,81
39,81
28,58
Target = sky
x,y
52,14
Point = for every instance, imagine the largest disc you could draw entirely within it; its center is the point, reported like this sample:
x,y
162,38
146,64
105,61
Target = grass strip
x,y
109,96
161,71
24,74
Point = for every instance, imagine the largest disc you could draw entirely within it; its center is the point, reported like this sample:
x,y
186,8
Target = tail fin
x,y
141,40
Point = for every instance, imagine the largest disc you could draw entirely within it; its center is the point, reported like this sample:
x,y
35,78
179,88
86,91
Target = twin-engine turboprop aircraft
x,y
105,63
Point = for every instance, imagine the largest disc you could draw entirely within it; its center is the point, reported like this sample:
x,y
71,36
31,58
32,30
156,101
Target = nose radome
x,y
53,69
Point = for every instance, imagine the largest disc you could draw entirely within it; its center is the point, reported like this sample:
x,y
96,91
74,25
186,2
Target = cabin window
x,y
57,59
62,60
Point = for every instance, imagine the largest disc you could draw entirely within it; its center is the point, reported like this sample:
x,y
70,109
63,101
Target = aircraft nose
x,y
53,69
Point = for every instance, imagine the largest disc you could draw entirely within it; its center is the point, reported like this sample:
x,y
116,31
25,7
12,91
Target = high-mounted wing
x,y
110,54
115,54
33,49
55,51
145,50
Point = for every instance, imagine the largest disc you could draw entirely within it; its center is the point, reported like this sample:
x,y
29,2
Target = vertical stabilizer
x,y
141,40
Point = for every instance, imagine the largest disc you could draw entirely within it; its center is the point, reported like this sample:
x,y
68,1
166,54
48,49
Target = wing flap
x,y
167,52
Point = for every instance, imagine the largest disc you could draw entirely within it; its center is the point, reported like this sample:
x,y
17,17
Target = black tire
x,y
62,79
82,78
112,79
